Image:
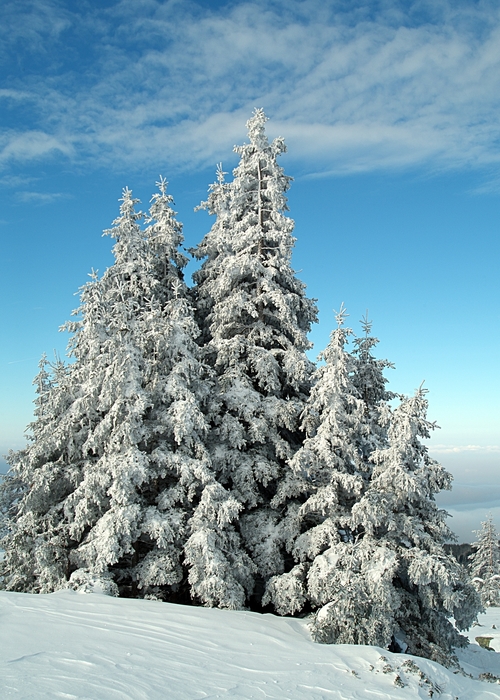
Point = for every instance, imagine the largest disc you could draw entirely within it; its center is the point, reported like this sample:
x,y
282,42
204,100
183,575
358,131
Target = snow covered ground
x,y
74,646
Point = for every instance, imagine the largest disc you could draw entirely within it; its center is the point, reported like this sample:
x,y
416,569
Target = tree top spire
x,y
341,315
366,324
256,129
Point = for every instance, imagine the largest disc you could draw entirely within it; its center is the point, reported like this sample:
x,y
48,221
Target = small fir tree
x,y
485,564
370,559
333,469
369,379
32,494
420,585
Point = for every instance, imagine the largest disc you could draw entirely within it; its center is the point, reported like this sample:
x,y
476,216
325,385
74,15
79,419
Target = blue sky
x,y
390,113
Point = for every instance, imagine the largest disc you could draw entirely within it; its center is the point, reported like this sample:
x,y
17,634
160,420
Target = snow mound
x,y
94,647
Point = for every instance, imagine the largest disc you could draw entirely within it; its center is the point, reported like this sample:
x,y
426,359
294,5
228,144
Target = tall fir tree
x,y
213,250
485,564
256,322
124,449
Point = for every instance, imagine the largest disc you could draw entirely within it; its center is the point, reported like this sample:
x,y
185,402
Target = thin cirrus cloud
x,y
30,145
39,197
352,90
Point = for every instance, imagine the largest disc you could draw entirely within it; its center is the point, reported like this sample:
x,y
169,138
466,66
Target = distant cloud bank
x,y
456,449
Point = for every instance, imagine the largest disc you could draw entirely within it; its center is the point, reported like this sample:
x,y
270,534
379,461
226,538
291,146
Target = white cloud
x,y
458,449
351,90
40,197
16,180
30,145
16,95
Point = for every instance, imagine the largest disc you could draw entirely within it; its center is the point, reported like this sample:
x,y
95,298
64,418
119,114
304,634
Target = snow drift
x,y
70,645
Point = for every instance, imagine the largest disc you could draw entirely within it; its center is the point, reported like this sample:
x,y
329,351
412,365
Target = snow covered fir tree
x,y
369,553
190,451
485,563
255,321
104,492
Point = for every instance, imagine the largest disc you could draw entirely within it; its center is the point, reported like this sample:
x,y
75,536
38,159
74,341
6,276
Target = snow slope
x,y
74,646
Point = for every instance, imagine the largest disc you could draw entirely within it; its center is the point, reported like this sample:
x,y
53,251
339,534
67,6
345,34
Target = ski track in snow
x,y
92,647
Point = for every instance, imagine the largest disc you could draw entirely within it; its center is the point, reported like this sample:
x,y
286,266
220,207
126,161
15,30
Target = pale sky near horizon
x,y
390,113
